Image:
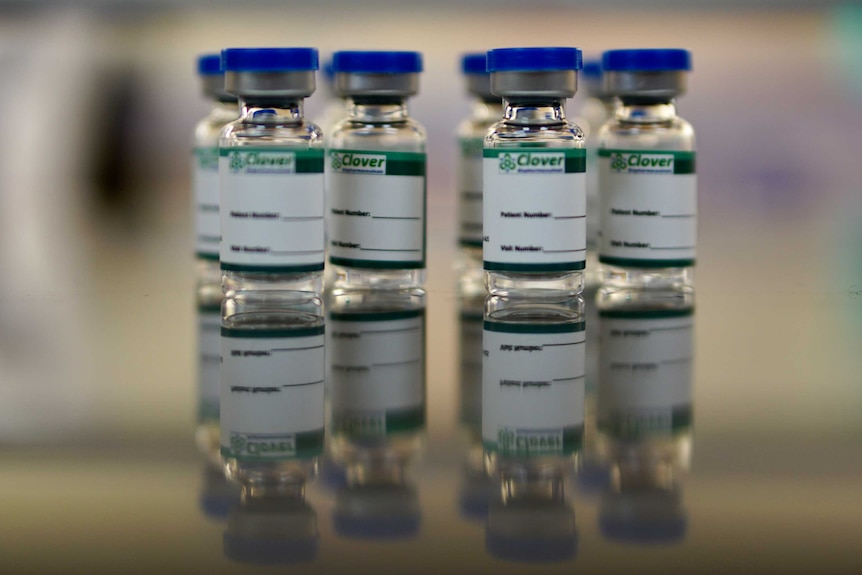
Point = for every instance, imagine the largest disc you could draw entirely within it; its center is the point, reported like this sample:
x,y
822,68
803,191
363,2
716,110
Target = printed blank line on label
x,y
390,363
301,218
250,389
396,217
679,216
671,247
563,251
277,349
569,217
562,379
386,250
563,344
295,253
672,328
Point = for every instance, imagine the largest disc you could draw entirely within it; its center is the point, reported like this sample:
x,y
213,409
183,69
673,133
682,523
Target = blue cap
x,y
269,59
650,60
209,65
533,59
592,70
328,72
474,63
359,62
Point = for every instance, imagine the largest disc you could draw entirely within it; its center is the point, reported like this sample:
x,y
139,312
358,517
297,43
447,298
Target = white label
x,y
645,372
534,209
272,393
209,349
470,166
532,390
378,372
377,208
471,365
648,208
205,182
271,209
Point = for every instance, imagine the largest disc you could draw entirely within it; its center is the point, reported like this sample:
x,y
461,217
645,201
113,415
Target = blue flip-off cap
x,y
373,62
647,60
269,59
474,63
534,59
210,65
592,70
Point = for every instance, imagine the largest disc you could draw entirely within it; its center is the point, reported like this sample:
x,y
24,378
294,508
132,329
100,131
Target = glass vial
x,y
271,175
648,187
205,178
486,109
534,182
376,174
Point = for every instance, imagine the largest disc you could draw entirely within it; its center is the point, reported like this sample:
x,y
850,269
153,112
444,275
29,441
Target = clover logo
x,y
618,164
506,438
507,164
336,162
237,162
237,443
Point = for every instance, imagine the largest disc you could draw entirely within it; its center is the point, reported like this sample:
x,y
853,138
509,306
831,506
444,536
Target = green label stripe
x,y
308,161
307,444
468,243
575,158
372,315
644,263
646,313
280,333
683,162
212,309
535,328
471,146
207,157
638,425
397,163
392,421
208,411
229,267
209,256
375,264
534,268
572,441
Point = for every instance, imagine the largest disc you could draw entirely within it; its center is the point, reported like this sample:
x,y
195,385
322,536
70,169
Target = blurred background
x,y
97,103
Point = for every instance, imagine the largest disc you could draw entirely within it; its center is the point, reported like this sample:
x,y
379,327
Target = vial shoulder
x,y
564,135
472,128
676,134
408,135
208,131
299,134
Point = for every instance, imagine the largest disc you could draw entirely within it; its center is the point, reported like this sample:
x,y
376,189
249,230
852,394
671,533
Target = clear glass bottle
x,y
205,178
645,419
648,186
208,394
376,174
486,109
596,108
534,244
272,389
271,175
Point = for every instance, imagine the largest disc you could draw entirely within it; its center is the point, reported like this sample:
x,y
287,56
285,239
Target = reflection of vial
x,y
205,177
272,392
209,359
486,109
376,174
217,495
534,242
648,187
645,420
377,366
271,174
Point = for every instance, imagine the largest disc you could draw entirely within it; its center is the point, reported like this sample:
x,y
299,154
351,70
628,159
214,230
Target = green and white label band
x,y
649,161
205,185
650,422
377,208
534,209
648,208
271,209
512,441
272,393
469,175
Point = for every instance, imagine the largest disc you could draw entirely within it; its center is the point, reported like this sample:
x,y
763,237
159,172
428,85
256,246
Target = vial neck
x,y
542,112
645,111
487,110
377,110
271,111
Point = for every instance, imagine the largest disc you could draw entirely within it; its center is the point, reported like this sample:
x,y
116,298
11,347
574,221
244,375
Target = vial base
x,y
208,282
301,284
662,279
534,285
471,276
641,299
270,475
350,278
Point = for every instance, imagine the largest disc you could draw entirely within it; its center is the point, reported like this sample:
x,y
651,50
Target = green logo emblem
x,y
506,439
336,162
237,162
618,164
507,164
237,443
